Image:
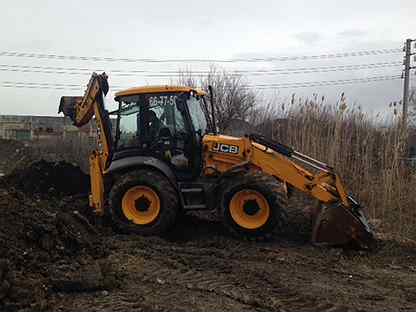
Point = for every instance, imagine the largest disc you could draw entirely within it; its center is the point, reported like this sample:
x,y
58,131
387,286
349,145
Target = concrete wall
x,y
34,128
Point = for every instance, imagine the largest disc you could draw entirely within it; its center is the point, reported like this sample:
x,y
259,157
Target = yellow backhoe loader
x,y
165,155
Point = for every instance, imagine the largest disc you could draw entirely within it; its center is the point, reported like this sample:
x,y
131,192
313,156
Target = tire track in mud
x,y
211,273
201,269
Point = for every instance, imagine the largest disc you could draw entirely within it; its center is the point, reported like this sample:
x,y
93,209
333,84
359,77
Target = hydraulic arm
x,y
81,110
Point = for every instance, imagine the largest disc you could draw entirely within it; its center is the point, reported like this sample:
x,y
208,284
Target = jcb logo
x,y
225,148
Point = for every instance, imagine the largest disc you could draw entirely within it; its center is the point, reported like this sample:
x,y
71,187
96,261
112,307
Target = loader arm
x,y
81,110
341,221
274,159
338,221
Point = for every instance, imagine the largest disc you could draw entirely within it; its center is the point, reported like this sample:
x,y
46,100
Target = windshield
x,y
195,104
144,118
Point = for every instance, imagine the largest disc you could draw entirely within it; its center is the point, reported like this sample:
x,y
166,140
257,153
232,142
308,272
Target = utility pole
x,y
408,53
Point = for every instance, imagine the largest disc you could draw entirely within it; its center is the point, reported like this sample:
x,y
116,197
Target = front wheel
x,y
253,205
143,202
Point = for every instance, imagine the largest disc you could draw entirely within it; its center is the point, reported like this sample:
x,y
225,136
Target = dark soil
x,y
43,247
49,179
55,256
47,241
201,268
11,153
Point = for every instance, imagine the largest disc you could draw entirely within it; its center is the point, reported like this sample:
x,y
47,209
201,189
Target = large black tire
x,y
157,182
271,190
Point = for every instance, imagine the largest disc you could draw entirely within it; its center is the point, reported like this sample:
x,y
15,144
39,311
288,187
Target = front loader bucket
x,y
336,225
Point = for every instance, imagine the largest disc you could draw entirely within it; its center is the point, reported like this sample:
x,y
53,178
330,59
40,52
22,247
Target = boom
x,y
81,110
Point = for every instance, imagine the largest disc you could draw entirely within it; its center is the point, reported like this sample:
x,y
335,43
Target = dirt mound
x,y
12,153
8,147
49,178
45,245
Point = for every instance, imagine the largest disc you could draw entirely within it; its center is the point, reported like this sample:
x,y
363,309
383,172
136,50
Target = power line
x,y
167,74
326,83
301,70
199,60
39,87
330,81
206,71
47,84
59,86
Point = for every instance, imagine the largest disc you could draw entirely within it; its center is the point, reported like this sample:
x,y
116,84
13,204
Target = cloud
x,y
308,38
352,33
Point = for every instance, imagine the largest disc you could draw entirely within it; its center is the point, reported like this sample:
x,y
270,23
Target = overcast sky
x,y
215,29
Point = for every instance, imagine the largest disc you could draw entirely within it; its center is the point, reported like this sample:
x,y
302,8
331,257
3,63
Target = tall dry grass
x,y
365,150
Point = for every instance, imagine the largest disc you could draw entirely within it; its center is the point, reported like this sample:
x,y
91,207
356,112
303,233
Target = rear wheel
x,y
253,205
143,202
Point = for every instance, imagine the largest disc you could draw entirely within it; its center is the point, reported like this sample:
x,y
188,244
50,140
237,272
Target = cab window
x,y
197,114
143,119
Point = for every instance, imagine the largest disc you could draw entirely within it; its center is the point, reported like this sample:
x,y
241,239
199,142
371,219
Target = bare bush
x,y
233,98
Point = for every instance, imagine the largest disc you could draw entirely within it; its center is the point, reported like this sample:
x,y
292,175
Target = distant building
x,y
38,128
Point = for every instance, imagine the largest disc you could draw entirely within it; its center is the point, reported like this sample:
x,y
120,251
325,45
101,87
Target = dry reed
x,y
366,151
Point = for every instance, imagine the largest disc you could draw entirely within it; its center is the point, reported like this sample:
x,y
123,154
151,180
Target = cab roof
x,y
157,89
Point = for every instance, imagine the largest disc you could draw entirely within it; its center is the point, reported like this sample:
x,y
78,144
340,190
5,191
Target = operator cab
x,y
164,122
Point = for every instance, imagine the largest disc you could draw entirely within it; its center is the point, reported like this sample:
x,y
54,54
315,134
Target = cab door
x,y
198,124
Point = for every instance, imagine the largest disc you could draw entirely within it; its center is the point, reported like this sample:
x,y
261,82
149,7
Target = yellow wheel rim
x,y
249,209
141,205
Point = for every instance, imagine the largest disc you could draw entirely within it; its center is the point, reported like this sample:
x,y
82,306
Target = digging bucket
x,y
67,106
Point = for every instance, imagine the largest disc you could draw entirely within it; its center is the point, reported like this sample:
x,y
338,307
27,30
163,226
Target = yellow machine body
x,y
217,157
